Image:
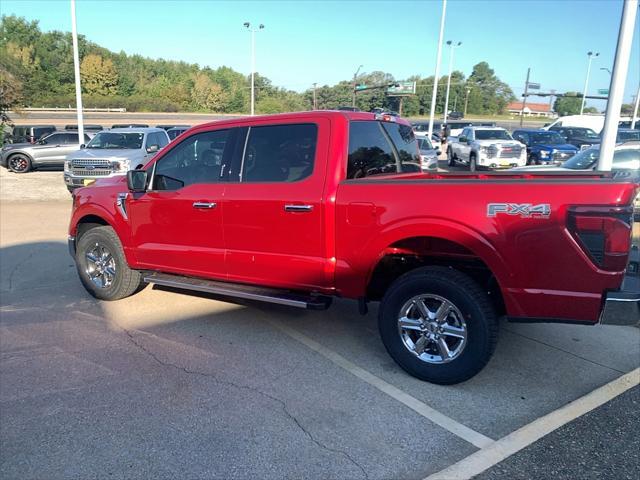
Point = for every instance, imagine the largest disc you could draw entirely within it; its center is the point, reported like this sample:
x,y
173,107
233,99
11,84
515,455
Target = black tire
x,y
124,282
450,158
19,163
470,300
533,160
472,162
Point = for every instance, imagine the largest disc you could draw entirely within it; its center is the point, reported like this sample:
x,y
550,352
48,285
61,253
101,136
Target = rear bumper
x,y
621,308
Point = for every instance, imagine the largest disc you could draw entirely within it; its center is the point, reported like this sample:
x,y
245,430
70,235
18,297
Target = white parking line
x,y
462,431
489,456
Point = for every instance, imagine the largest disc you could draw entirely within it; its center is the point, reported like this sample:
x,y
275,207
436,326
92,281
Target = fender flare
x,y
441,228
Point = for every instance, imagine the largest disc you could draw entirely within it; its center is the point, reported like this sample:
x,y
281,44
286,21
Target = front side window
x,y
197,159
123,141
279,153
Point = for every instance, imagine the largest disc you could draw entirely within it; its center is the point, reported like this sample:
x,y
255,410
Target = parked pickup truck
x,y
490,147
299,208
112,153
545,147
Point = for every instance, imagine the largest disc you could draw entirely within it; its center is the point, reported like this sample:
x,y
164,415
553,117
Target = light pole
x,y
586,81
452,47
616,86
76,71
435,78
355,76
315,103
466,101
253,30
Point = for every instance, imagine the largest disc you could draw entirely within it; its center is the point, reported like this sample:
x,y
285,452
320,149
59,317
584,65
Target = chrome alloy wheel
x,y
101,266
432,328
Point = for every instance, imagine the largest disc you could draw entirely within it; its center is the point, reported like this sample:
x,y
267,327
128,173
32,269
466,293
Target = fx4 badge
x,y
526,210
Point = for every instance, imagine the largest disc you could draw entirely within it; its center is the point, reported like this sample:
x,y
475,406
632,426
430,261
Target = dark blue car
x,y
545,147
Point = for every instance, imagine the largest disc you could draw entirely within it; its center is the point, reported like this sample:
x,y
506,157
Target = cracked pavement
x,y
164,385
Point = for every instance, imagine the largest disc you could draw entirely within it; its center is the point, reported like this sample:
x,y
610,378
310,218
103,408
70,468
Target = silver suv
x,y
112,153
50,151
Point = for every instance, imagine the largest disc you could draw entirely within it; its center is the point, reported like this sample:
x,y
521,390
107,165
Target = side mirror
x,y
462,139
153,148
137,180
83,146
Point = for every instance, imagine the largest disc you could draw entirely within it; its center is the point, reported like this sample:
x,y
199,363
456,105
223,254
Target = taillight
x,y
604,233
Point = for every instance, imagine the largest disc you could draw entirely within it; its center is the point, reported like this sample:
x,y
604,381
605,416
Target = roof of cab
x,y
301,116
135,130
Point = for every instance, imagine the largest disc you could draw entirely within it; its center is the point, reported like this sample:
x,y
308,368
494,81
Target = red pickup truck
x,y
298,208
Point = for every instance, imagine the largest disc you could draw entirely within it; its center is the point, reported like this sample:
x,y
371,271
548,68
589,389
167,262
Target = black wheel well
x,y
87,223
13,154
416,252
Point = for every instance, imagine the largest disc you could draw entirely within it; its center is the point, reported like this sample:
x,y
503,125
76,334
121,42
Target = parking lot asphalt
x,y
164,385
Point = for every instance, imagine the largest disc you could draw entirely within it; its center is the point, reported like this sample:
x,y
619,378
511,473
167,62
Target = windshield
x,y
105,140
623,158
583,160
547,138
425,144
492,135
628,136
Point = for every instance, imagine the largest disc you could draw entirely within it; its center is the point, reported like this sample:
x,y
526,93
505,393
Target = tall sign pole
x,y
76,71
635,110
616,88
524,98
435,80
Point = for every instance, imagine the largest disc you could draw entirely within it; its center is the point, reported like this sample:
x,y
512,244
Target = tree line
x,y
36,70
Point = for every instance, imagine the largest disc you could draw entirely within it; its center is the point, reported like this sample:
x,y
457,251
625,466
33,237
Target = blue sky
x,y
305,42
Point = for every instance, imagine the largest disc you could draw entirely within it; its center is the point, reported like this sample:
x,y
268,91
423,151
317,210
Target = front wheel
x,y
19,163
472,162
438,325
102,267
451,161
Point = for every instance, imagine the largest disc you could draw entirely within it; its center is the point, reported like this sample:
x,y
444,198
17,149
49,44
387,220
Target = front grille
x,y
96,162
562,156
510,152
91,167
83,172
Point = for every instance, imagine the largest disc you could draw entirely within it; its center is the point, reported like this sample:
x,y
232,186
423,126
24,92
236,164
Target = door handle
x,y
298,208
204,205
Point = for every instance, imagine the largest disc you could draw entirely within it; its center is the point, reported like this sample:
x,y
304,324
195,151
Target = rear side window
x,y
279,153
375,149
369,151
406,146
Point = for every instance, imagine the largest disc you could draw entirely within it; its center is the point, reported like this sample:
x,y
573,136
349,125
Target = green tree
x,y
98,75
568,105
206,94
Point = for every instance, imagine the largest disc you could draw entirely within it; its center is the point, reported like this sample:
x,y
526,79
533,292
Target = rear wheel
x,y
438,325
19,163
102,266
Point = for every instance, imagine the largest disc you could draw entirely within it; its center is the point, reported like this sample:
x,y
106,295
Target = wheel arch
x,y
440,243
90,216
